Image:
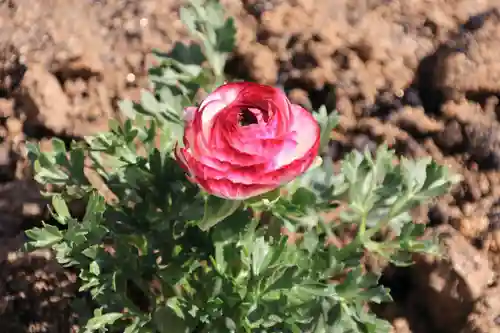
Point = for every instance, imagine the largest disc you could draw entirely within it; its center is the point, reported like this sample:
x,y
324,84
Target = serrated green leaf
x,y
414,172
75,233
95,206
350,166
46,236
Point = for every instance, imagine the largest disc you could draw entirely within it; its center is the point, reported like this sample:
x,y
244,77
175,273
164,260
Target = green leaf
x,y
188,18
94,268
318,289
77,160
149,102
213,13
216,210
100,322
327,123
59,146
190,54
438,181
60,208
76,233
283,278
350,166
232,228
414,172
44,237
303,197
230,324
169,319
226,36
310,241
173,103
95,207
377,294
260,256
91,252
136,325
33,151
127,108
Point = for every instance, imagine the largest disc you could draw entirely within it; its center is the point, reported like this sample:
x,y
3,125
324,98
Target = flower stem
x,y
362,227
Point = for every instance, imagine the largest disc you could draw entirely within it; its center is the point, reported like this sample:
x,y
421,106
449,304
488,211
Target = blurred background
x,y
422,75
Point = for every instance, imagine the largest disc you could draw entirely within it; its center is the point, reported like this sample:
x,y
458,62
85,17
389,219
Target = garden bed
x,y
421,75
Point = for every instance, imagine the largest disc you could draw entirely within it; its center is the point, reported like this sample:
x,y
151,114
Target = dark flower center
x,y
247,117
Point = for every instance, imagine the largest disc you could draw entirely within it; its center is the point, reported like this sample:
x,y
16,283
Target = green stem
x,y
381,225
358,242
392,213
362,227
327,228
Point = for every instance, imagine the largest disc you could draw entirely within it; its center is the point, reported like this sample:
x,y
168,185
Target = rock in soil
x,y
44,100
485,318
448,287
471,65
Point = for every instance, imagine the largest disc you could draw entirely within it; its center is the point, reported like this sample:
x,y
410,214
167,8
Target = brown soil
x,y
422,75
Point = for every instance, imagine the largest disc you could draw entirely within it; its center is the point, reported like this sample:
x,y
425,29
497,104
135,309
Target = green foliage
x,y
157,255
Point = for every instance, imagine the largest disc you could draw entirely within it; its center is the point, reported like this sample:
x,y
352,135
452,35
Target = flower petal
x,y
189,114
226,93
236,161
224,188
307,133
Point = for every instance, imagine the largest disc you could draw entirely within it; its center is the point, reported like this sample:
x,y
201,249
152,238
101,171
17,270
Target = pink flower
x,y
246,139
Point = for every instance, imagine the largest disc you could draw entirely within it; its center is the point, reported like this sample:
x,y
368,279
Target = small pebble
x,y
143,22
130,78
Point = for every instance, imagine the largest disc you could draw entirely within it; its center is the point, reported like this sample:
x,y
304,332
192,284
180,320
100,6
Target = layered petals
x,y
246,139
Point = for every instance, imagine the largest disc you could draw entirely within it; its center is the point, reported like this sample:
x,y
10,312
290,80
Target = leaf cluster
x,y
156,254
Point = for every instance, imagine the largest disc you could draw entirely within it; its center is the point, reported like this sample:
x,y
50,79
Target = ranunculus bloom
x,y
246,139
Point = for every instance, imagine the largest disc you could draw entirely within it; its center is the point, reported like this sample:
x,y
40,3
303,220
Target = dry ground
x,y
423,75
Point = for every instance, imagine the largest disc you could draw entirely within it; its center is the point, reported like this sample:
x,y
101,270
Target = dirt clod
x,y
451,137
474,68
45,102
485,316
451,285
